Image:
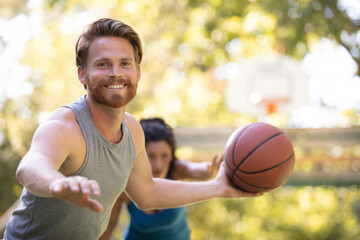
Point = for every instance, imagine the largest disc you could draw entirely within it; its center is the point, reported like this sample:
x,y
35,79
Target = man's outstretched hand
x,y
228,190
76,191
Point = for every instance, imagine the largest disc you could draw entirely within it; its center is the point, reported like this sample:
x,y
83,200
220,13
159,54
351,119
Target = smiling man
x,y
111,73
90,151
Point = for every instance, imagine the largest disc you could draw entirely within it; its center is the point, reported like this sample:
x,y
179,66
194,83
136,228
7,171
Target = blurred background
x,y
209,67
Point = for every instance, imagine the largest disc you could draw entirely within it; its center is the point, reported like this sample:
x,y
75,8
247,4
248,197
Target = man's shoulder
x,y
129,116
61,120
131,121
64,115
136,130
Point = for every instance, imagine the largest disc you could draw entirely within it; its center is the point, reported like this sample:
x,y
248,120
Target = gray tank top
x,y
107,163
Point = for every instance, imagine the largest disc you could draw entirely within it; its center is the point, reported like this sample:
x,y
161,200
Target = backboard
x,y
266,85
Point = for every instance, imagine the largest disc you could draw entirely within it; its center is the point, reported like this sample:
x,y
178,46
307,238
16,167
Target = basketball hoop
x,y
272,104
266,85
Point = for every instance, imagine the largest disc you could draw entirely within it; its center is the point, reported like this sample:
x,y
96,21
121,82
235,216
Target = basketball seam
x,y
252,151
237,139
264,170
261,187
233,152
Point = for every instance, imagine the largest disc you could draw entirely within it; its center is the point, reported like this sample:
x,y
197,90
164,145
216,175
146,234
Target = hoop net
x,y
271,104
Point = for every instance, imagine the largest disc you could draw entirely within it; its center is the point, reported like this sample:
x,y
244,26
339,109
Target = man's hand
x,y
76,191
229,191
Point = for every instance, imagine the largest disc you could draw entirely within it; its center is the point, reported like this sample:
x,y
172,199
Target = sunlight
x,y
352,7
333,87
13,76
331,70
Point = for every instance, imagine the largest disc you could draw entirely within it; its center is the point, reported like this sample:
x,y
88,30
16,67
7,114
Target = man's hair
x,y
106,27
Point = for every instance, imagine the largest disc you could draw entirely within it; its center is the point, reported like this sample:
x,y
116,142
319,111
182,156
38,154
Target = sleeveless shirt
x,y
107,163
164,225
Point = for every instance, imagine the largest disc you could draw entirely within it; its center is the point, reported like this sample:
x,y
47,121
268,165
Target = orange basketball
x,y
259,157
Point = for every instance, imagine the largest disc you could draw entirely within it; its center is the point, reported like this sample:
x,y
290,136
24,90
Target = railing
x,y
303,139
309,137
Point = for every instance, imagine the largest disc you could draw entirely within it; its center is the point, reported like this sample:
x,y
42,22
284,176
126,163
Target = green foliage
x,y
306,213
17,124
9,189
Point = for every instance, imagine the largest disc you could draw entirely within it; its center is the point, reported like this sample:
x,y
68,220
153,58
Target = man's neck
x,y
107,120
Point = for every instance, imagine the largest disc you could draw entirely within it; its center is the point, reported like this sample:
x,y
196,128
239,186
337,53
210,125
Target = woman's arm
x,y
114,217
184,169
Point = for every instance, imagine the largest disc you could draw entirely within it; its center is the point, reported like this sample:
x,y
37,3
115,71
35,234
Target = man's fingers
x,y
84,185
95,205
248,194
74,184
58,186
76,191
95,187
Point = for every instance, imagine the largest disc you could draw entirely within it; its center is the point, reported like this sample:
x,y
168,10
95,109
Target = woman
x,y
166,223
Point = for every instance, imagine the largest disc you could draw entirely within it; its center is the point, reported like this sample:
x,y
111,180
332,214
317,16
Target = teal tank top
x,y
168,224
107,163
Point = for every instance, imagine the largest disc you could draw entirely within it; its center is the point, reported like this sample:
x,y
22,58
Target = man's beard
x,y
99,95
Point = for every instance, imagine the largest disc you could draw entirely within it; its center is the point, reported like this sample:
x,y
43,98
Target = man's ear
x,y
81,75
138,73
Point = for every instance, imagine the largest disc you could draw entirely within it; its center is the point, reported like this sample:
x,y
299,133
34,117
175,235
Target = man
x,y
90,151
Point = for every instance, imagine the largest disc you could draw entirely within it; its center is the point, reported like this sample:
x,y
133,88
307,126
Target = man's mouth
x,y
115,86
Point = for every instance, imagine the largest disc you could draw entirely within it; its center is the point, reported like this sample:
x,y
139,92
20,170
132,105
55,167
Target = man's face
x,y
111,74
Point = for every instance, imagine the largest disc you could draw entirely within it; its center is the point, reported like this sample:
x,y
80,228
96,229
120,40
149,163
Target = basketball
x,y
258,157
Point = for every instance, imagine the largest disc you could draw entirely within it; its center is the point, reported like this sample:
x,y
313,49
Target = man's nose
x,y
115,71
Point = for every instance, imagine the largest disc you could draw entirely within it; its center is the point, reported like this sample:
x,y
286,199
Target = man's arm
x,y
149,193
53,147
39,167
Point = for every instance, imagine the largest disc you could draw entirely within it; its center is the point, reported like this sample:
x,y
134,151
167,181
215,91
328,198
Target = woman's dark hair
x,y
155,129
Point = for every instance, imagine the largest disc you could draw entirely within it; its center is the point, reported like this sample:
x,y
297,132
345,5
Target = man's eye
x,y
102,64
